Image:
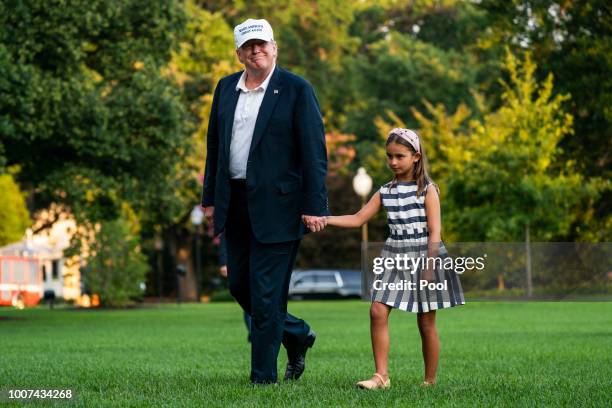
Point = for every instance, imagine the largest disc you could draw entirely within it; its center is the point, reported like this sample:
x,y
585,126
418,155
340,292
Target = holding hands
x,y
314,223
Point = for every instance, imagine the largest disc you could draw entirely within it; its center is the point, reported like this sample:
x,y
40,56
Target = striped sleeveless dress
x,y
409,286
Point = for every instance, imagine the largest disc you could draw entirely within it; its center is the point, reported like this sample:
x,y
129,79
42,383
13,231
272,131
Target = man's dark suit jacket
x,y
287,161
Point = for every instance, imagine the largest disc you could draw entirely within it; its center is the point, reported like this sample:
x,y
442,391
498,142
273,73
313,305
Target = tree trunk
x,y
181,245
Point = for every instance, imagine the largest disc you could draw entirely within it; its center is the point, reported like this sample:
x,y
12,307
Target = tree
x,y
205,55
503,177
570,39
514,183
551,30
506,171
397,74
84,109
14,216
116,267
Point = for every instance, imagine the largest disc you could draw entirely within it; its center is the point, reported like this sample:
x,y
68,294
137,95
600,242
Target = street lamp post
x,y
197,217
362,184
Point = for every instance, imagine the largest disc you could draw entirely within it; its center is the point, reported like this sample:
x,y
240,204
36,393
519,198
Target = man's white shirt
x,y
245,116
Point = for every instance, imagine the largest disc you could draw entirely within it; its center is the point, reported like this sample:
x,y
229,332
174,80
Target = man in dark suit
x,y
264,179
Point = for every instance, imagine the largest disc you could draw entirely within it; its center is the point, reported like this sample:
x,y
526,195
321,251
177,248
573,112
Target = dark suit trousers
x,y
259,277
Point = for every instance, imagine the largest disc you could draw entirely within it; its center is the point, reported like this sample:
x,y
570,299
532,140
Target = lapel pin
x,y
275,91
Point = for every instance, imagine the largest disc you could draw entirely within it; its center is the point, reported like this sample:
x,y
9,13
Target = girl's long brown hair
x,y
420,173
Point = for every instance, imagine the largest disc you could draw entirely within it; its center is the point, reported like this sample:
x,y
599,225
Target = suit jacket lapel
x,y
231,103
267,107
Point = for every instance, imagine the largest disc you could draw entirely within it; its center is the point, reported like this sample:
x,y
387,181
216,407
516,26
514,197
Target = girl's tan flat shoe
x,y
426,384
376,382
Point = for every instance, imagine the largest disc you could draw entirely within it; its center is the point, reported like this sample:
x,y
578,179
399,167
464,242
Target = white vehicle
x,y
325,283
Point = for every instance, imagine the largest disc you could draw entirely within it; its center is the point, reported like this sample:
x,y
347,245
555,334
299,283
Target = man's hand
x,y
223,271
209,211
314,223
208,214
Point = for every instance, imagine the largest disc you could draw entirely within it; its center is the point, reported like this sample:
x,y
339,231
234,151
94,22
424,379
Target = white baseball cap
x,y
252,30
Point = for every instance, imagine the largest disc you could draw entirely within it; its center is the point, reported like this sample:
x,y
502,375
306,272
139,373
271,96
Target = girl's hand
x,y
432,211
434,225
428,274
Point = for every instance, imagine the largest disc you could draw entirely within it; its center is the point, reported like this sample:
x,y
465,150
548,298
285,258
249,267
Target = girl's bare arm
x,y
434,219
359,218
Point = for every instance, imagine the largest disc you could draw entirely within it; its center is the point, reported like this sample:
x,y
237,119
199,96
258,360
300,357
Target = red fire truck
x,y
20,281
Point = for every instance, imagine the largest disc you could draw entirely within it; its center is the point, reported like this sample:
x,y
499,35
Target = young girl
x,y
413,213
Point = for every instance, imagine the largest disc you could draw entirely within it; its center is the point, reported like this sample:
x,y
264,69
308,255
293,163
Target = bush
x,y
117,268
14,216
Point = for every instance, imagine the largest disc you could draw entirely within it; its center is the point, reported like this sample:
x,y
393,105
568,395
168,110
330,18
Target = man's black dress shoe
x,y
297,358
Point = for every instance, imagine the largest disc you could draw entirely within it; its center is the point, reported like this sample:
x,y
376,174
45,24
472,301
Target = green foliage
x,y
14,216
504,175
2,158
105,102
116,268
206,54
397,73
408,63
84,109
206,51
570,39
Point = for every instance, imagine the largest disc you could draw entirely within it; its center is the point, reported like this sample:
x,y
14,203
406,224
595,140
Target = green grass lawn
x,y
493,354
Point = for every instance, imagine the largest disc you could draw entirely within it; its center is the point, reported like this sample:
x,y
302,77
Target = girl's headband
x,y
408,135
